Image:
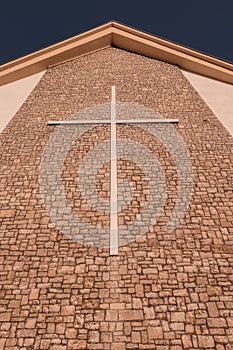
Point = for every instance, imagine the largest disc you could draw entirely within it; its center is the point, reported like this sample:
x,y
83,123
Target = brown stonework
x,y
164,290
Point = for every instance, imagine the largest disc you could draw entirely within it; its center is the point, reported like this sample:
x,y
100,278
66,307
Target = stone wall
x,y
164,290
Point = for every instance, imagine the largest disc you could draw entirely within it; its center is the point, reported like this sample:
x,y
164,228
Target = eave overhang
x,y
123,37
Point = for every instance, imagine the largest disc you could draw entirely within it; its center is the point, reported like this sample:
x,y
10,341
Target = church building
x,y
116,195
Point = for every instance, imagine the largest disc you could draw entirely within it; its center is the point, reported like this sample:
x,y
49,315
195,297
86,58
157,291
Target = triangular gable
x,y
124,37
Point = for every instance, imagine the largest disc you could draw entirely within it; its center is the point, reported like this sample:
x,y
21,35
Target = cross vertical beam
x,y
113,188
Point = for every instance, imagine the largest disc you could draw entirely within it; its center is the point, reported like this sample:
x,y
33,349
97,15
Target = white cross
x,y
113,188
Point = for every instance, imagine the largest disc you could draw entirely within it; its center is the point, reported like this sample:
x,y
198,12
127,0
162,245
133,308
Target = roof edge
x,y
79,45
122,36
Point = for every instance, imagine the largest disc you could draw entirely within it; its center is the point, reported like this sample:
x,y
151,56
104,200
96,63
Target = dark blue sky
x,y
205,25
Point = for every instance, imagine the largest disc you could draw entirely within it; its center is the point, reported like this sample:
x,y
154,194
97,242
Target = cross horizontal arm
x,y
118,121
148,121
77,122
